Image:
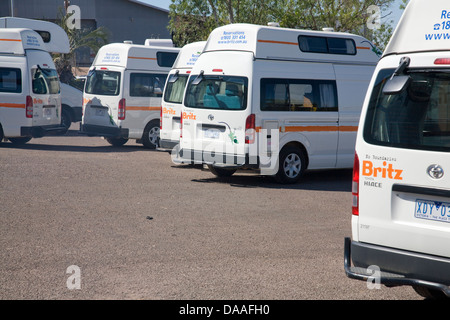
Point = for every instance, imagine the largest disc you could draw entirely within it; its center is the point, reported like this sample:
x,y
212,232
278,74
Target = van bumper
x,y
218,159
397,267
168,144
41,131
103,131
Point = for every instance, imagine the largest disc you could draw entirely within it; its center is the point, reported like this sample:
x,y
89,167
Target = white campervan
x,y
174,92
30,104
401,181
275,99
123,91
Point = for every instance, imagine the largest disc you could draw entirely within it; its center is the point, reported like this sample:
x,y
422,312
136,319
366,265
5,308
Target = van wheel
x,y
429,293
292,165
116,142
150,138
1,134
221,172
19,141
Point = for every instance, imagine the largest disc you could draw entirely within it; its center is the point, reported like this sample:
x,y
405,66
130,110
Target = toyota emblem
x,y
211,117
435,171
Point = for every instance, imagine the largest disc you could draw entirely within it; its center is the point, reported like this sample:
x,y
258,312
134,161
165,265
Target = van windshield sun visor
x,y
399,79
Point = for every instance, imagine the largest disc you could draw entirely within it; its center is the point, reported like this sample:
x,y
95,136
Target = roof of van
x,y
424,26
56,40
17,40
268,42
188,55
132,56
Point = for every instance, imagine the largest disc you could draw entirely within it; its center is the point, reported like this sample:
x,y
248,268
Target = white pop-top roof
x,y
17,40
188,55
424,26
57,42
282,43
132,56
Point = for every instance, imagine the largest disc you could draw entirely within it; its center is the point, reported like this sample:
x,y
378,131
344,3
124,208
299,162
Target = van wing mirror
x,y
399,79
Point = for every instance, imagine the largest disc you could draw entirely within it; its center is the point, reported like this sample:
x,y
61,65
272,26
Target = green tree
x,y
193,20
78,38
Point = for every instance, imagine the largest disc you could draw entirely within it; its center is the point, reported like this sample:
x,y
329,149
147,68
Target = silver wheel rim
x,y
292,165
153,135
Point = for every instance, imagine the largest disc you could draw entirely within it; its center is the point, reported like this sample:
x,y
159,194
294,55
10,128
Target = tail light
x,y
181,125
250,129
29,107
122,109
160,118
355,186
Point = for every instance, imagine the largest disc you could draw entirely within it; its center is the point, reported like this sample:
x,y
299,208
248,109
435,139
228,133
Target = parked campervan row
x,y
123,91
174,93
277,100
30,105
401,180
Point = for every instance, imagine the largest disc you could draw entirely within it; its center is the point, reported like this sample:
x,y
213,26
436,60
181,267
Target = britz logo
x,y
385,171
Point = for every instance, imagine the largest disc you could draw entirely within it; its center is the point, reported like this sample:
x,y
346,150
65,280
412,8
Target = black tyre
x,y
150,137
292,165
66,120
1,134
430,293
221,172
19,141
116,142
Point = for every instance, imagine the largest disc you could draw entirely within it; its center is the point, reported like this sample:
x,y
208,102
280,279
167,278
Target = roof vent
x,y
273,24
128,42
328,29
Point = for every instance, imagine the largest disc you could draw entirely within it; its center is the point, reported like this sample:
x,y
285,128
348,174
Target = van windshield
x,y
217,92
44,81
416,118
103,82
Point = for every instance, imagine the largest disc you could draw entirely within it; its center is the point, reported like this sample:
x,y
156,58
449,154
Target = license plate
x,y
432,210
99,112
47,112
212,134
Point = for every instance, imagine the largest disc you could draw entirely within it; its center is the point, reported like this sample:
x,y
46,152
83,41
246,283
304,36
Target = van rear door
x,y
102,95
404,158
45,89
216,107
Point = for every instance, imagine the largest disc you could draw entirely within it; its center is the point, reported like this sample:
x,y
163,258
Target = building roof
x,y
148,5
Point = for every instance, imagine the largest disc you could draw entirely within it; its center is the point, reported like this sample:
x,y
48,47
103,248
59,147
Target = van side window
x,y
418,117
298,95
147,84
10,80
331,45
166,59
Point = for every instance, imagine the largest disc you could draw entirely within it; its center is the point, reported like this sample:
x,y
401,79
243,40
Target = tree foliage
x,y
78,38
193,20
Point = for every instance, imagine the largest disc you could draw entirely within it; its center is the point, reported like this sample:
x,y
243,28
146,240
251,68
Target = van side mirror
x,y
399,79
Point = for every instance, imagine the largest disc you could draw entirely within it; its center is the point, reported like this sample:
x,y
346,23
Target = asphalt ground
x,y
82,220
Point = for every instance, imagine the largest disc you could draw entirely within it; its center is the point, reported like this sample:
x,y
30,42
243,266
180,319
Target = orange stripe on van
x,y
144,58
316,128
143,108
278,42
13,105
363,48
17,40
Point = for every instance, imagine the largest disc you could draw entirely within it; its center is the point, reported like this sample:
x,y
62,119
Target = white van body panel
x,y
259,54
23,49
101,110
58,41
171,110
401,193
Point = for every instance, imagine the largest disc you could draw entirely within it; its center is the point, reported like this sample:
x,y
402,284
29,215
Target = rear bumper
x,y
103,131
41,131
218,159
167,144
397,267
